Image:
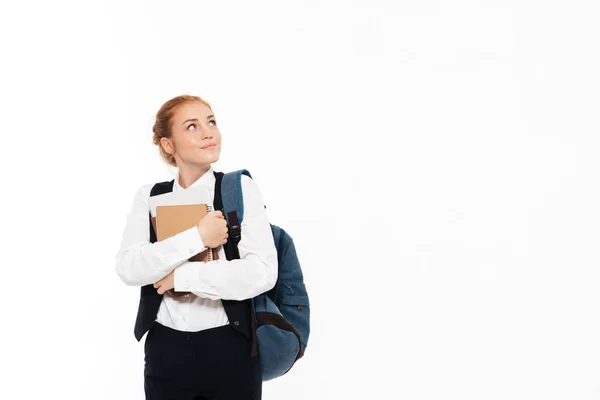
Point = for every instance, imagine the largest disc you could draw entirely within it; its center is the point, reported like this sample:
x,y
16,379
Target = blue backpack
x,y
281,315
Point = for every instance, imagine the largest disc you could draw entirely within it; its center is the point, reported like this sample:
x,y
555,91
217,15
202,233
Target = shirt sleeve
x,y
255,272
140,262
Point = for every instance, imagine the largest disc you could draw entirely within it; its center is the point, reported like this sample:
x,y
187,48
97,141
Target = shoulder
x,y
253,197
144,190
249,185
246,180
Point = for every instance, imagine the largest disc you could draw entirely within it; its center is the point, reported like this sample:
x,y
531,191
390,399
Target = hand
x,y
166,283
213,229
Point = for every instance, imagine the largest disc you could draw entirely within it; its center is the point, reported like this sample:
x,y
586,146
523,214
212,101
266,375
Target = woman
x,y
199,345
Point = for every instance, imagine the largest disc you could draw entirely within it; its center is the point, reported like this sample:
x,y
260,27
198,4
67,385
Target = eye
x,y
212,120
190,125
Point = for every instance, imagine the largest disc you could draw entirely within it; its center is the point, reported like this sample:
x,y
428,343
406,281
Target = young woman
x,y
200,342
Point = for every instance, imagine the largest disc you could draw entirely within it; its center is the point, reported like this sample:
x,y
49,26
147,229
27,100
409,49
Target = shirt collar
x,y
207,179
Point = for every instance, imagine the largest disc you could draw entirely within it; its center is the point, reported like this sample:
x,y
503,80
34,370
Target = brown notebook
x,y
171,220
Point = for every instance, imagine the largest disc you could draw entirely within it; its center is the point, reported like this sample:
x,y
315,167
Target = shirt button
x,y
183,318
236,323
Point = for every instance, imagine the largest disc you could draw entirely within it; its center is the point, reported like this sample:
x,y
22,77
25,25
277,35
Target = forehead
x,y
189,110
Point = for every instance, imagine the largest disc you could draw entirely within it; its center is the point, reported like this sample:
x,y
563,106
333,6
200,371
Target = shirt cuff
x,y
191,242
183,275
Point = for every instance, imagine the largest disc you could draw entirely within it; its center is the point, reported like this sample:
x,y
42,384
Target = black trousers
x,y
212,364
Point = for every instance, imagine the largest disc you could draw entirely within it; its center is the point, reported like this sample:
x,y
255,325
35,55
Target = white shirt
x,y
139,262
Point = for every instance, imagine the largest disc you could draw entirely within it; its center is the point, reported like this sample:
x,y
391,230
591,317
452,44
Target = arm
x,y
256,270
139,262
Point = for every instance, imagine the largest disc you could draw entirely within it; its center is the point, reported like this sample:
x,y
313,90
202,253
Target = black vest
x,y
239,313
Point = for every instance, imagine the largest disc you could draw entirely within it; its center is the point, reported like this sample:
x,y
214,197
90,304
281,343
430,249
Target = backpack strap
x,y
233,210
233,203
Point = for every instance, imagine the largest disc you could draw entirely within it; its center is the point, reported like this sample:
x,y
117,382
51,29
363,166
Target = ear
x,y
168,146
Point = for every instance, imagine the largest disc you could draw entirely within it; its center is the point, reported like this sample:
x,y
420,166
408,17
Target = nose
x,y
205,133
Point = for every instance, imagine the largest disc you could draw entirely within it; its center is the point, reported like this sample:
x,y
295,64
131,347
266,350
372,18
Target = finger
x,y
156,284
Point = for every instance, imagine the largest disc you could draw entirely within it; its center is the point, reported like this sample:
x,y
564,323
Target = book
x,y
189,196
173,219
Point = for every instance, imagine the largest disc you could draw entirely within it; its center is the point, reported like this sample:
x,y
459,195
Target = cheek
x,y
190,138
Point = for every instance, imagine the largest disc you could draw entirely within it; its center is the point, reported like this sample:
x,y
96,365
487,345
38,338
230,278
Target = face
x,y
193,126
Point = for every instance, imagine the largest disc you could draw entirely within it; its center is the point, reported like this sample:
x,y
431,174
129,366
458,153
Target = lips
x,y
209,147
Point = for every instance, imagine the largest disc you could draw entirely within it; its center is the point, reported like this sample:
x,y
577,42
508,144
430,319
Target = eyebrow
x,y
196,119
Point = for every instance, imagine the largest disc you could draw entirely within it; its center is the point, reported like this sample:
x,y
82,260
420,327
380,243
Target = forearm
x,y
141,264
228,279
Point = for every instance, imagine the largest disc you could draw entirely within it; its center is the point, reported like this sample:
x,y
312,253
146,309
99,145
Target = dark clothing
x,y
205,365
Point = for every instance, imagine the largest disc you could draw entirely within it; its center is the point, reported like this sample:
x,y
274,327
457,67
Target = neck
x,y
190,174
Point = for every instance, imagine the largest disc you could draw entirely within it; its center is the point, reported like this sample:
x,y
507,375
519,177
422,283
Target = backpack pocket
x,y
295,308
278,341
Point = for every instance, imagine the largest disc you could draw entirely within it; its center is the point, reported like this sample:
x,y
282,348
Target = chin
x,y
210,160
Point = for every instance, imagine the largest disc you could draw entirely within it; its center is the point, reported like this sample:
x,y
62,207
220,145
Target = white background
x,y
435,162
